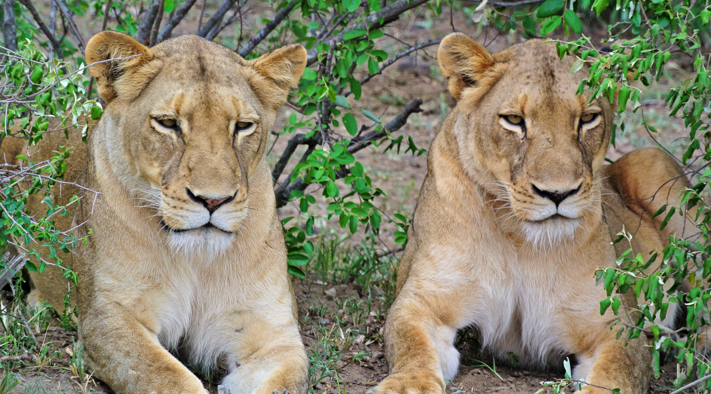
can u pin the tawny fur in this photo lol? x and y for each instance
(487, 250)
(153, 278)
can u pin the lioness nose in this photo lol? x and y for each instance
(210, 203)
(557, 196)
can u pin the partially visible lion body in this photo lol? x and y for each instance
(187, 252)
(509, 228)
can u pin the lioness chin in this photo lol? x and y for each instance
(187, 253)
(509, 227)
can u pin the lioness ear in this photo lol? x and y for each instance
(462, 60)
(131, 56)
(276, 72)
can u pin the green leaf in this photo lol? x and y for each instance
(604, 304)
(332, 190)
(370, 115)
(355, 88)
(309, 74)
(572, 20)
(168, 6)
(351, 125)
(600, 5)
(96, 112)
(351, 5)
(667, 218)
(549, 25)
(705, 14)
(353, 224)
(351, 34)
(660, 211)
(342, 102)
(622, 98)
(550, 8)
(529, 26)
(296, 271)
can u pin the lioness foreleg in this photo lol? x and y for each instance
(616, 364)
(269, 358)
(126, 355)
(420, 349)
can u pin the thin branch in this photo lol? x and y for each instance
(396, 58)
(156, 25)
(202, 13)
(216, 18)
(175, 20)
(284, 191)
(36, 16)
(374, 21)
(72, 25)
(24, 357)
(271, 25)
(211, 36)
(9, 25)
(13, 265)
(511, 4)
(294, 142)
(144, 30)
(692, 384)
(394, 125)
(107, 11)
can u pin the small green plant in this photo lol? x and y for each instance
(8, 382)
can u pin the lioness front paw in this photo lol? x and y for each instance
(410, 384)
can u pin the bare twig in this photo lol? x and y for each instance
(175, 20)
(284, 191)
(374, 21)
(36, 16)
(23, 357)
(144, 30)
(394, 125)
(72, 25)
(271, 25)
(107, 11)
(396, 58)
(692, 384)
(9, 25)
(156, 25)
(238, 11)
(202, 13)
(216, 18)
(294, 142)
(13, 265)
(511, 4)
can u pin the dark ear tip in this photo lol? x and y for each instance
(606, 49)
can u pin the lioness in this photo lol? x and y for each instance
(187, 252)
(509, 227)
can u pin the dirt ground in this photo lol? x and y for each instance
(343, 342)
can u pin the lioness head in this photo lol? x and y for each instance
(187, 123)
(526, 136)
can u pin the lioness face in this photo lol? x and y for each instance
(534, 141)
(200, 122)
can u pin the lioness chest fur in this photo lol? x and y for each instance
(187, 253)
(509, 227)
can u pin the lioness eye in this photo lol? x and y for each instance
(242, 126)
(168, 123)
(587, 118)
(514, 119)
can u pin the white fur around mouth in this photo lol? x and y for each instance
(550, 232)
(209, 242)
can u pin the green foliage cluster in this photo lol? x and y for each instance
(44, 97)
